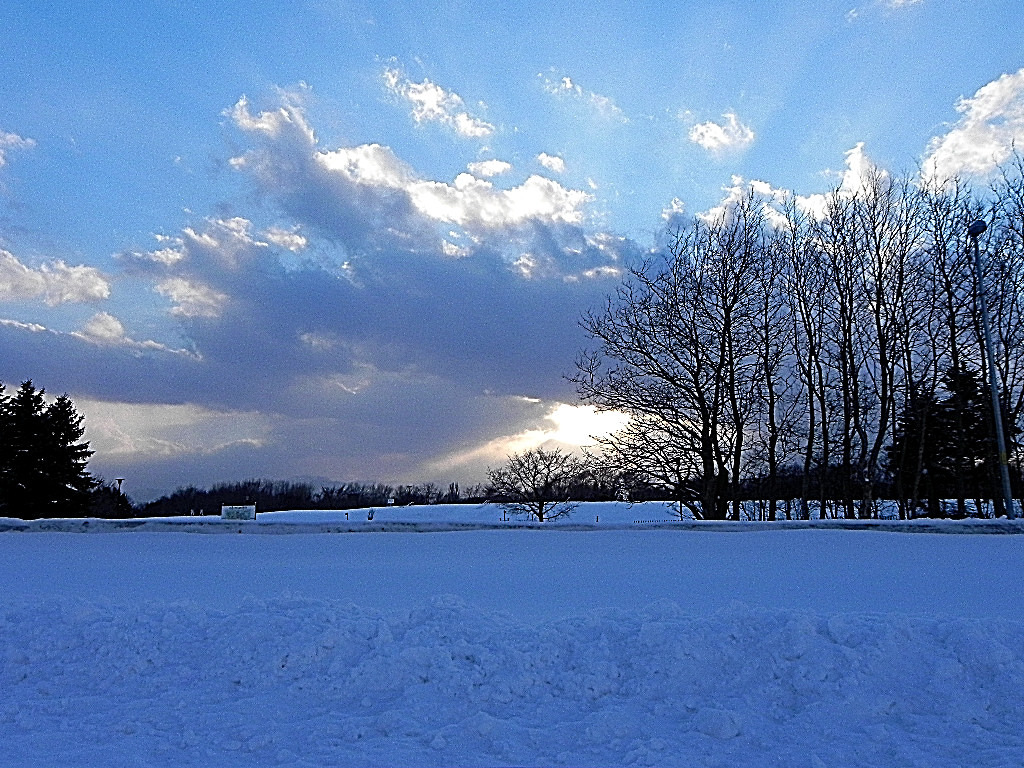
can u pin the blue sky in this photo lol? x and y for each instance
(349, 240)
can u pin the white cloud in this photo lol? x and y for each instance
(168, 256)
(854, 180)
(231, 242)
(384, 203)
(433, 104)
(476, 204)
(454, 251)
(368, 164)
(289, 239)
(553, 163)
(731, 135)
(603, 105)
(100, 330)
(56, 283)
(892, 5)
(812, 205)
(468, 201)
(73, 284)
(30, 327)
(485, 169)
(992, 121)
(287, 119)
(673, 210)
(18, 281)
(769, 198)
(859, 171)
(105, 330)
(192, 299)
(12, 141)
(472, 127)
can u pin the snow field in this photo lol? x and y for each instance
(795, 648)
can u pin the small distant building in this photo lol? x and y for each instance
(243, 512)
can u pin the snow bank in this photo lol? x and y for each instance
(609, 515)
(306, 682)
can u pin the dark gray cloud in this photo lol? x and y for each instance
(396, 321)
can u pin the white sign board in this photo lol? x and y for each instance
(247, 512)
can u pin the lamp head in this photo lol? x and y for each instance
(976, 228)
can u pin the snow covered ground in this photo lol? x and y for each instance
(628, 644)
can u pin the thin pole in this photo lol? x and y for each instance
(974, 231)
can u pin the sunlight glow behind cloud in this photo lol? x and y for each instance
(569, 426)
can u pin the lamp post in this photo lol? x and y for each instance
(975, 231)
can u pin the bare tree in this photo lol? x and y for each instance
(537, 482)
(675, 349)
(889, 233)
(806, 273)
(649, 451)
(775, 400)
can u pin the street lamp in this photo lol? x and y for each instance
(975, 231)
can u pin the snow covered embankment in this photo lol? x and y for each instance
(314, 682)
(468, 517)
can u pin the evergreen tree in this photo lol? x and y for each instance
(107, 501)
(24, 470)
(944, 448)
(69, 483)
(912, 460)
(42, 460)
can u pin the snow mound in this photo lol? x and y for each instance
(309, 682)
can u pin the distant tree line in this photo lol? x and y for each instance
(273, 495)
(818, 359)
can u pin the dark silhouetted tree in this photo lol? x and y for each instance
(538, 482)
(107, 501)
(943, 448)
(43, 460)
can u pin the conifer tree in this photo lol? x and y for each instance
(943, 448)
(70, 483)
(43, 459)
